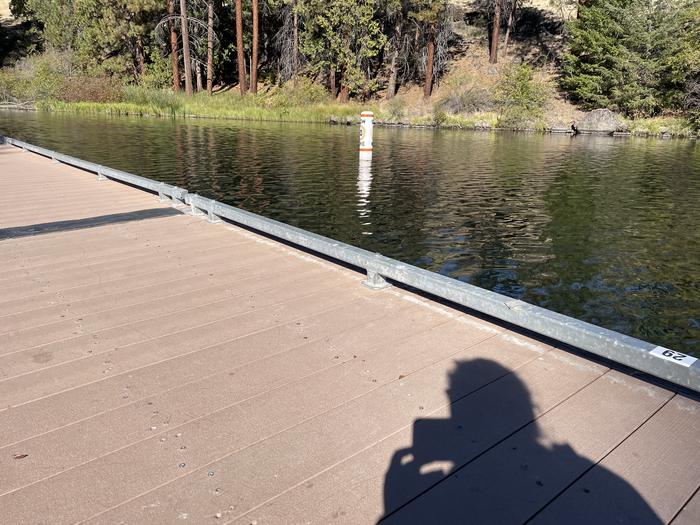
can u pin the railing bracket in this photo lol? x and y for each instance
(194, 210)
(375, 281)
(212, 217)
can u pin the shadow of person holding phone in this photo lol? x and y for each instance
(447, 476)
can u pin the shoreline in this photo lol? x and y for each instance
(546, 131)
(333, 120)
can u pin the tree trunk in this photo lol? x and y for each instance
(295, 43)
(393, 75)
(239, 47)
(344, 92)
(511, 17)
(254, 51)
(198, 69)
(331, 81)
(428, 88)
(140, 59)
(496, 33)
(186, 47)
(210, 47)
(393, 63)
(173, 47)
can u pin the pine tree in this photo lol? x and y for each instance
(239, 47)
(427, 14)
(255, 48)
(620, 54)
(172, 38)
(342, 36)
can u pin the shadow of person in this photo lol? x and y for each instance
(487, 463)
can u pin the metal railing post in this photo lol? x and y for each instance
(194, 209)
(211, 216)
(162, 197)
(178, 197)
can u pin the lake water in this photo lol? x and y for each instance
(603, 229)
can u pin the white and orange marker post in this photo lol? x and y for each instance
(366, 135)
(364, 176)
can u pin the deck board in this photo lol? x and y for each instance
(690, 513)
(660, 461)
(486, 386)
(538, 462)
(164, 370)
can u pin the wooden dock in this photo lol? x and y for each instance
(155, 368)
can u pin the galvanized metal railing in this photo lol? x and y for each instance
(658, 361)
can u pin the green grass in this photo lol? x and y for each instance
(478, 120)
(301, 106)
(472, 120)
(655, 125)
(228, 105)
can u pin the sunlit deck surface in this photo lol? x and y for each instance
(155, 368)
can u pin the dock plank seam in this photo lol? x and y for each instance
(168, 296)
(690, 498)
(148, 339)
(292, 426)
(190, 355)
(407, 427)
(602, 458)
(239, 402)
(137, 368)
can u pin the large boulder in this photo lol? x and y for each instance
(601, 121)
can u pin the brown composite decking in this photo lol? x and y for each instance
(155, 368)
